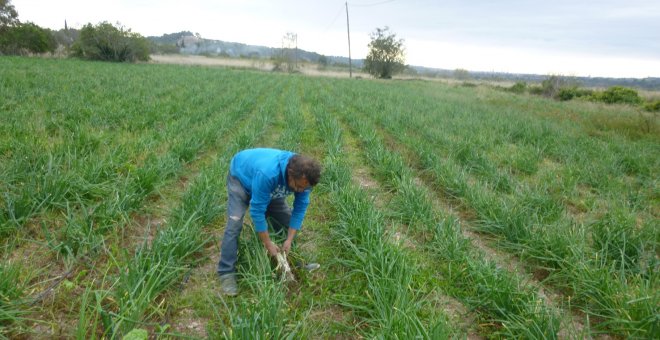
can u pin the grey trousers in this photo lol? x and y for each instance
(278, 215)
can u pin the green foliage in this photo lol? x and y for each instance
(109, 43)
(461, 74)
(90, 161)
(519, 87)
(621, 243)
(618, 95)
(553, 84)
(537, 90)
(11, 290)
(653, 106)
(26, 38)
(323, 62)
(65, 37)
(570, 92)
(386, 54)
(8, 14)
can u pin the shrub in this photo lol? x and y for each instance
(551, 85)
(537, 90)
(618, 94)
(26, 38)
(109, 43)
(518, 87)
(653, 106)
(568, 93)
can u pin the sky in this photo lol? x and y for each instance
(607, 38)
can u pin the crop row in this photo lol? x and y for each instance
(617, 283)
(157, 266)
(379, 268)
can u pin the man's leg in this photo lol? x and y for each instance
(278, 215)
(237, 204)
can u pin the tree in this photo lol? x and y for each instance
(18, 38)
(461, 74)
(386, 54)
(26, 38)
(323, 62)
(8, 14)
(109, 43)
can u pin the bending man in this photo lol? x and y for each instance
(262, 179)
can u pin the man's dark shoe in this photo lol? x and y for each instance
(228, 284)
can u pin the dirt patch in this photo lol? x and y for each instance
(256, 64)
(457, 312)
(143, 229)
(364, 180)
(188, 324)
(182, 59)
(332, 315)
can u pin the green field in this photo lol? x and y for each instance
(444, 211)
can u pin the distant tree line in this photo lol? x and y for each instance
(21, 38)
(568, 88)
(103, 41)
(109, 43)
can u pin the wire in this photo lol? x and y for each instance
(335, 19)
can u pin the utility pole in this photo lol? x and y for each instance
(348, 29)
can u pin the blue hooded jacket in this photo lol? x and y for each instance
(262, 172)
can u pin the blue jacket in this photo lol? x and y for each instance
(262, 172)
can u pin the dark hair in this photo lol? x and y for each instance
(302, 166)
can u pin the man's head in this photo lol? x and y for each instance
(303, 172)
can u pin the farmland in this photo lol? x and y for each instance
(444, 210)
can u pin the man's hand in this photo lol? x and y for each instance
(272, 248)
(286, 246)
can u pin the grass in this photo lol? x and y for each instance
(88, 148)
(532, 219)
(12, 290)
(380, 266)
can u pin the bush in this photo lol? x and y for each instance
(518, 87)
(551, 85)
(568, 93)
(618, 94)
(537, 90)
(26, 38)
(653, 106)
(109, 43)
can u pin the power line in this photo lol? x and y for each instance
(341, 9)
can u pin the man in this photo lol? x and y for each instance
(262, 179)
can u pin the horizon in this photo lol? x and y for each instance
(410, 65)
(584, 38)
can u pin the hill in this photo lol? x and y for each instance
(189, 43)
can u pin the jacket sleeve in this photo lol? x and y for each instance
(261, 189)
(300, 203)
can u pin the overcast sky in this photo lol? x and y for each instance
(614, 38)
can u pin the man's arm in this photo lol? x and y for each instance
(300, 203)
(289, 238)
(272, 248)
(261, 188)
